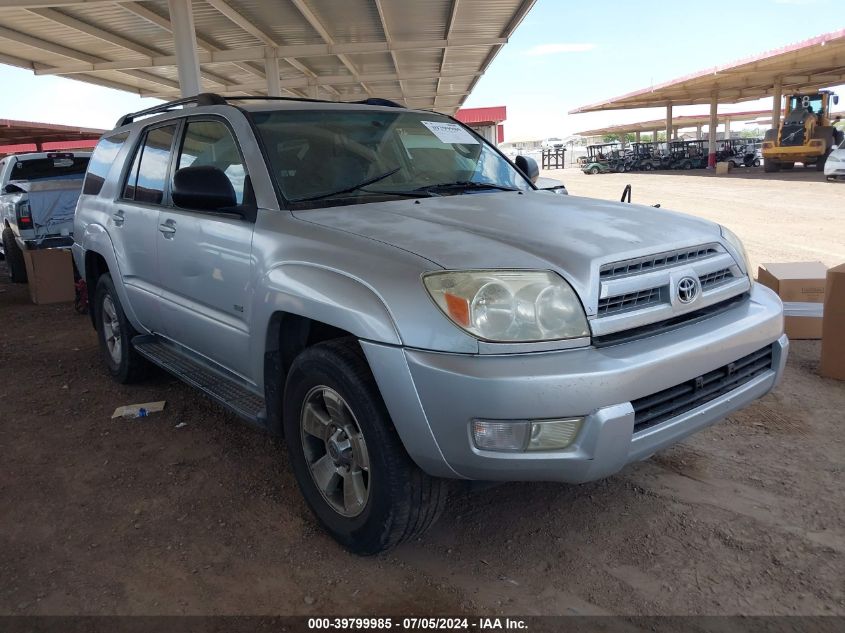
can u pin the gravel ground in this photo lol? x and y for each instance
(142, 517)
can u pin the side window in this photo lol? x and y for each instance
(210, 143)
(101, 161)
(145, 181)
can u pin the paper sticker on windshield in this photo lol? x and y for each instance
(450, 132)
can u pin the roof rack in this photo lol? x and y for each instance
(210, 98)
(374, 101)
(202, 99)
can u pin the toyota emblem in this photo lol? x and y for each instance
(687, 289)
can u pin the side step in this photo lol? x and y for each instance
(226, 390)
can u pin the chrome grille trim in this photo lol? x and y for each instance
(667, 259)
(629, 300)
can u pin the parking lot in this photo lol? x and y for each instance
(143, 516)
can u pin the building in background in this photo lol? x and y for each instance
(488, 122)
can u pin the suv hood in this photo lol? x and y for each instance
(569, 234)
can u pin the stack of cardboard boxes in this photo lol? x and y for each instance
(814, 307)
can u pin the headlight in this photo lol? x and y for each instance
(835, 159)
(732, 239)
(509, 305)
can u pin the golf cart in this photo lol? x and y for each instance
(603, 158)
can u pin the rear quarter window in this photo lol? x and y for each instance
(101, 161)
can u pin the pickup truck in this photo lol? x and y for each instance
(387, 291)
(38, 195)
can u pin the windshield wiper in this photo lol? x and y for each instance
(465, 185)
(360, 185)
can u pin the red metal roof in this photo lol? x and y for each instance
(30, 135)
(492, 115)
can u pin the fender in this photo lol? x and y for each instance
(96, 239)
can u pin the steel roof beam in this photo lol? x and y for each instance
(388, 40)
(110, 37)
(163, 23)
(318, 26)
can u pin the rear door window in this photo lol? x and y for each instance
(101, 161)
(145, 182)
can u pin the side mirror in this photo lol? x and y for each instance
(204, 188)
(835, 99)
(528, 166)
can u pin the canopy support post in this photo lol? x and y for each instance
(711, 132)
(668, 123)
(271, 69)
(185, 44)
(777, 99)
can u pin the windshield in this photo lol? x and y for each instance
(812, 103)
(53, 168)
(346, 157)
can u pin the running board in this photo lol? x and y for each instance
(227, 391)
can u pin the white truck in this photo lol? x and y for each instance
(38, 194)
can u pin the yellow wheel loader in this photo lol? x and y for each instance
(806, 134)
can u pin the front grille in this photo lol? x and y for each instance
(669, 403)
(713, 279)
(655, 262)
(630, 301)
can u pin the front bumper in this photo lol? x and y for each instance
(433, 397)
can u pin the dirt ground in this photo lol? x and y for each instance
(142, 517)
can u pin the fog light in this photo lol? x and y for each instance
(490, 435)
(550, 435)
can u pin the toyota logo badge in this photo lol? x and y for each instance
(687, 289)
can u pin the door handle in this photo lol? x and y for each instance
(118, 218)
(168, 229)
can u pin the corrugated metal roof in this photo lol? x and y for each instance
(493, 114)
(808, 65)
(429, 53)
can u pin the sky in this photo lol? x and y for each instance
(566, 53)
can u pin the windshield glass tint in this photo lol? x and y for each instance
(314, 153)
(62, 167)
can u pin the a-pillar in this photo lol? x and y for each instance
(185, 45)
(271, 69)
(711, 132)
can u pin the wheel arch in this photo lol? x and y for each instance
(304, 304)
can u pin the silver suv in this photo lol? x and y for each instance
(386, 290)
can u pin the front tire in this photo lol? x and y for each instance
(14, 257)
(115, 334)
(347, 458)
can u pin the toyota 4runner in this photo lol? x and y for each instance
(383, 288)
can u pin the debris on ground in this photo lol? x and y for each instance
(138, 410)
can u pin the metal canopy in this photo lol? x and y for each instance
(28, 132)
(679, 122)
(815, 63)
(425, 53)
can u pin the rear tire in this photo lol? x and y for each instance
(14, 257)
(115, 334)
(821, 161)
(342, 442)
(593, 170)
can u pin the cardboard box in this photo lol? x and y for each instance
(801, 287)
(833, 325)
(50, 275)
(723, 168)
